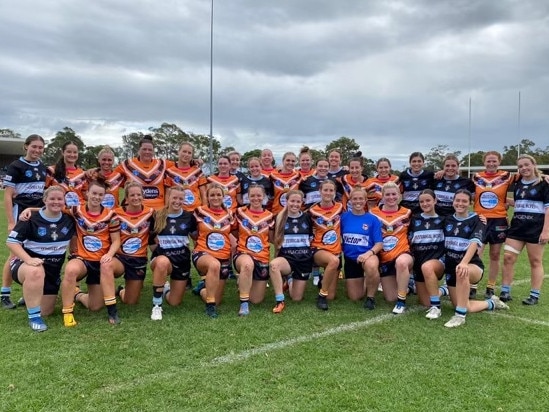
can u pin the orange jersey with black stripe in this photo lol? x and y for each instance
(327, 227)
(491, 193)
(93, 232)
(115, 182)
(374, 185)
(267, 172)
(394, 229)
(73, 184)
(253, 233)
(190, 179)
(283, 183)
(231, 187)
(134, 231)
(348, 184)
(214, 230)
(150, 176)
(305, 175)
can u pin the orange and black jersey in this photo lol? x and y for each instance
(115, 181)
(327, 227)
(347, 184)
(394, 229)
(283, 183)
(253, 232)
(150, 176)
(93, 232)
(491, 193)
(73, 183)
(231, 187)
(373, 187)
(214, 230)
(134, 231)
(190, 179)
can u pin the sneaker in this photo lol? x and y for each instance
(156, 313)
(530, 300)
(316, 279)
(68, 320)
(211, 311)
(489, 293)
(412, 286)
(321, 302)
(370, 304)
(472, 293)
(21, 302)
(433, 313)
(199, 286)
(498, 303)
(7, 303)
(505, 297)
(455, 321)
(279, 307)
(244, 309)
(399, 308)
(380, 287)
(166, 289)
(38, 325)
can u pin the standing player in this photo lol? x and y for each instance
(68, 175)
(229, 182)
(310, 186)
(352, 180)
(305, 163)
(374, 184)
(114, 180)
(255, 177)
(284, 180)
(413, 181)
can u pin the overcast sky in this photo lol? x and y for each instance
(396, 76)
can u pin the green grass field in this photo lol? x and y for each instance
(346, 359)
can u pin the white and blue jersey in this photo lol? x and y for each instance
(173, 241)
(28, 180)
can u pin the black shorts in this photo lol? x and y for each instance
(261, 270)
(418, 274)
(180, 270)
(301, 269)
(352, 269)
(224, 265)
(451, 273)
(52, 280)
(496, 230)
(389, 268)
(135, 268)
(93, 272)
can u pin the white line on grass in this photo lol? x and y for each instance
(527, 320)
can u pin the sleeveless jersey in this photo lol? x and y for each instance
(445, 190)
(93, 232)
(282, 183)
(214, 230)
(359, 233)
(45, 238)
(298, 232)
(394, 229)
(190, 179)
(459, 233)
(491, 193)
(327, 227)
(150, 176)
(412, 186)
(253, 233)
(426, 237)
(231, 187)
(73, 183)
(28, 180)
(173, 241)
(134, 231)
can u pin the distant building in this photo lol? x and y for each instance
(10, 150)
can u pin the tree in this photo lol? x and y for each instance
(346, 146)
(226, 150)
(510, 153)
(130, 144)
(252, 153)
(9, 133)
(476, 159)
(435, 158)
(54, 150)
(167, 139)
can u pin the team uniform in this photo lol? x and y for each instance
(346, 186)
(305, 175)
(426, 238)
(296, 246)
(231, 187)
(326, 228)
(282, 183)
(150, 176)
(359, 234)
(412, 185)
(214, 228)
(253, 239)
(531, 203)
(336, 176)
(394, 229)
(173, 242)
(491, 201)
(115, 181)
(445, 190)
(74, 184)
(458, 235)
(93, 238)
(134, 239)
(311, 189)
(44, 238)
(28, 180)
(374, 185)
(190, 179)
(265, 182)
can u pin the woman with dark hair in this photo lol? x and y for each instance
(255, 177)
(224, 178)
(352, 180)
(305, 163)
(450, 182)
(310, 186)
(374, 184)
(413, 181)
(39, 245)
(24, 186)
(68, 175)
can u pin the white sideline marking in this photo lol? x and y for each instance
(239, 356)
(527, 320)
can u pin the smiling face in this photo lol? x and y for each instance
(427, 203)
(305, 161)
(146, 152)
(254, 167)
(256, 195)
(266, 159)
(461, 204)
(334, 158)
(526, 168)
(383, 169)
(294, 202)
(235, 161)
(451, 168)
(491, 163)
(355, 169)
(358, 201)
(215, 197)
(223, 166)
(288, 163)
(96, 194)
(35, 150)
(175, 200)
(185, 154)
(134, 197)
(54, 202)
(327, 191)
(416, 164)
(70, 155)
(391, 197)
(322, 167)
(106, 161)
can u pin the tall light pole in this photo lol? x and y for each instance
(518, 127)
(211, 84)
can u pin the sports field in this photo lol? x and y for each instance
(345, 359)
